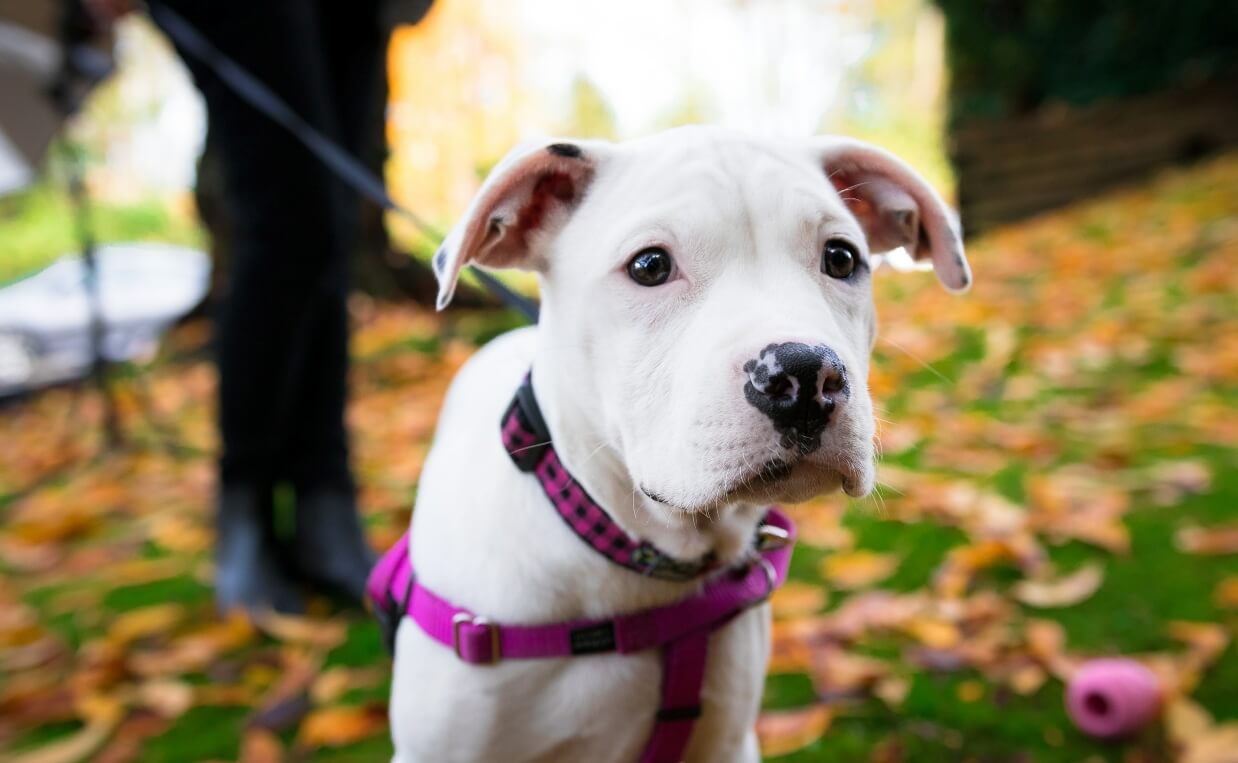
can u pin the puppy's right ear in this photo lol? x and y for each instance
(524, 202)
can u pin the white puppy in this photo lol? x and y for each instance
(702, 352)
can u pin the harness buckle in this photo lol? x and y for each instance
(464, 618)
(772, 537)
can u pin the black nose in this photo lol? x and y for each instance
(798, 386)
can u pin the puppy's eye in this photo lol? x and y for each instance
(839, 258)
(650, 267)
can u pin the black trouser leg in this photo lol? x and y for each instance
(282, 328)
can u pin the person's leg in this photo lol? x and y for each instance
(329, 544)
(288, 261)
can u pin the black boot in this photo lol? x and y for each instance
(249, 570)
(329, 549)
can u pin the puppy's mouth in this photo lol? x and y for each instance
(779, 480)
(762, 483)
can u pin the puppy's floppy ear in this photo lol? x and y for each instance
(895, 206)
(525, 200)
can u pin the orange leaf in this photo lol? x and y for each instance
(338, 726)
(258, 745)
(784, 732)
(1213, 540)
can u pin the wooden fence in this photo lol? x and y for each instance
(1012, 168)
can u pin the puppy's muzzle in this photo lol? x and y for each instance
(798, 386)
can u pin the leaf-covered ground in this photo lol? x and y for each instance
(1059, 478)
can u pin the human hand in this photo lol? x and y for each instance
(106, 12)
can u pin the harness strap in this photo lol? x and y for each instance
(683, 676)
(478, 641)
(681, 630)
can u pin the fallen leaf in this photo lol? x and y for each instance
(1065, 591)
(1185, 720)
(835, 670)
(1208, 541)
(334, 682)
(338, 726)
(1027, 680)
(1216, 745)
(159, 619)
(1046, 643)
(784, 732)
(1206, 640)
(933, 632)
(75, 747)
(796, 598)
(101, 713)
(127, 741)
(892, 690)
(320, 633)
(169, 699)
(1226, 593)
(970, 691)
(259, 745)
(850, 570)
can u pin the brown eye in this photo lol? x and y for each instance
(650, 267)
(839, 259)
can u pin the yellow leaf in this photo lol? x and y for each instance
(892, 690)
(796, 598)
(784, 732)
(147, 621)
(1027, 680)
(970, 691)
(857, 569)
(1216, 745)
(933, 632)
(1185, 720)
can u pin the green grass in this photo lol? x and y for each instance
(38, 225)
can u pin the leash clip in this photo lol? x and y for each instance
(464, 618)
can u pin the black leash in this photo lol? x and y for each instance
(256, 93)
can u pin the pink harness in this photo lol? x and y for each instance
(681, 630)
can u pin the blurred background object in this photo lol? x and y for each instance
(1056, 101)
(45, 319)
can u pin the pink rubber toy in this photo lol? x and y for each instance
(1113, 697)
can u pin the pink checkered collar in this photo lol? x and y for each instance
(527, 440)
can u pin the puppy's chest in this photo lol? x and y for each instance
(597, 707)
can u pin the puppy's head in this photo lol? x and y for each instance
(707, 302)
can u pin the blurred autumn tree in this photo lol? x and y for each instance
(591, 115)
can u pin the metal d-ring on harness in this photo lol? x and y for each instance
(680, 630)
